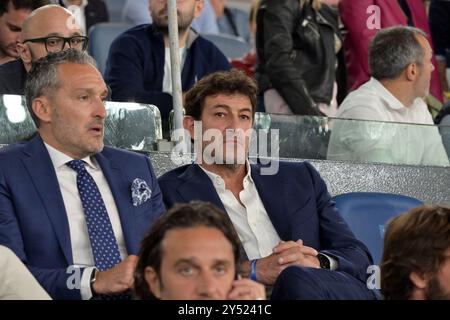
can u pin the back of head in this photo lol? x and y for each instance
(222, 82)
(21, 4)
(414, 242)
(393, 49)
(43, 77)
(181, 216)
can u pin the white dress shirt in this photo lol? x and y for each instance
(251, 221)
(386, 142)
(79, 237)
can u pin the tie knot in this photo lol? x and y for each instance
(77, 165)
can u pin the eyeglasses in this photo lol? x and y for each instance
(56, 44)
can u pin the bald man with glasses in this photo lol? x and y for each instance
(48, 29)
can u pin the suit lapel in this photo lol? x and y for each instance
(197, 185)
(273, 202)
(40, 167)
(122, 197)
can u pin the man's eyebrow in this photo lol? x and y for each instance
(57, 34)
(216, 106)
(190, 261)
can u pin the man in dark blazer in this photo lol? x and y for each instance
(292, 234)
(71, 209)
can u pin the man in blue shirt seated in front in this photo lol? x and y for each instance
(139, 69)
(292, 234)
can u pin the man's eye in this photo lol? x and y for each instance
(220, 114)
(75, 41)
(186, 271)
(83, 97)
(245, 117)
(15, 29)
(220, 270)
(53, 42)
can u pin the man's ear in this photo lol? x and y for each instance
(412, 71)
(199, 5)
(419, 280)
(152, 279)
(41, 108)
(188, 124)
(24, 53)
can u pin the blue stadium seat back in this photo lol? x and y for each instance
(444, 130)
(100, 38)
(232, 47)
(115, 8)
(367, 214)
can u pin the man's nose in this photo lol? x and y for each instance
(207, 286)
(100, 110)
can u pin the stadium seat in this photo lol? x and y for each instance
(232, 47)
(115, 8)
(100, 38)
(367, 213)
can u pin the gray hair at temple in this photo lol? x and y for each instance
(43, 77)
(393, 49)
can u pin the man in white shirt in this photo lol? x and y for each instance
(400, 63)
(292, 234)
(16, 282)
(71, 209)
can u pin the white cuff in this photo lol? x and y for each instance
(85, 290)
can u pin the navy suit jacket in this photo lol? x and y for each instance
(33, 219)
(297, 202)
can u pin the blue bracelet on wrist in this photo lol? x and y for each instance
(253, 269)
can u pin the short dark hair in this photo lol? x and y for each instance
(221, 82)
(181, 216)
(415, 241)
(43, 77)
(393, 49)
(21, 4)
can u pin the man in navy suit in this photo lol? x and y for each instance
(71, 209)
(290, 230)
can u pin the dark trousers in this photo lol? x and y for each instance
(301, 283)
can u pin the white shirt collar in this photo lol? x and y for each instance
(60, 159)
(392, 101)
(218, 181)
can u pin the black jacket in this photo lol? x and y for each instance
(12, 77)
(296, 53)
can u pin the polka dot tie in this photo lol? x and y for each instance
(101, 234)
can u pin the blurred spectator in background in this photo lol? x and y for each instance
(232, 21)
(45, 30)
(400, 64)
(416, 255)
(16, 281)
(362, 20)
(135, 13)
(12, 16)
(299, 57)
(440, 31)
(87, 12)
(143, 52)
(192, 253)
(248, 62)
